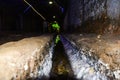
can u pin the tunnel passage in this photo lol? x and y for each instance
(61, 69)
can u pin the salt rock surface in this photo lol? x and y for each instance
(20, 60)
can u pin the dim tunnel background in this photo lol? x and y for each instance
(84, 16)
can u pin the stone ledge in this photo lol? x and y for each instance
(20, 60)
(106, 47)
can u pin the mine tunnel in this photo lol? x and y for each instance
(61, 69)
(59, 40)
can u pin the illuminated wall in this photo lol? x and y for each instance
(82, 11)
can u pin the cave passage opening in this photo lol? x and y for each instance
(61, 68)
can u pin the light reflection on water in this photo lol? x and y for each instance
(46, 66)
(84, 66)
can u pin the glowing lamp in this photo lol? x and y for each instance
(50, 2)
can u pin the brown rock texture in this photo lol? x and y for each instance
(19, 60)
(105, 47)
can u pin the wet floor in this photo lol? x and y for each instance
(61, 69)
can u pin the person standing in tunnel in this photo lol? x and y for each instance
(56, 27)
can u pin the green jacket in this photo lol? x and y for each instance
(57, 39)
(56, 26)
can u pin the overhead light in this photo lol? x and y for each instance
(54, 16)
(50, 2)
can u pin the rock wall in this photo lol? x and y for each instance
(98, 16)
(22, 60)
(105, 48)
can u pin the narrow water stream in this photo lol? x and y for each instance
(66, 62)
(61, 69)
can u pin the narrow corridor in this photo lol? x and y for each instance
(61, 69)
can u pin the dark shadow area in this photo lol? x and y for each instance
(61, 69)
(8, 36)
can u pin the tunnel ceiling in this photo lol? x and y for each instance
(43, 6)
